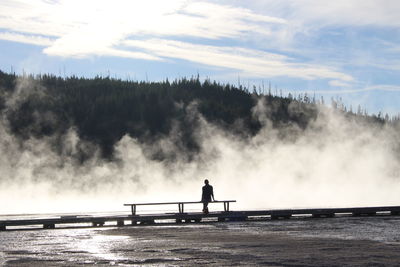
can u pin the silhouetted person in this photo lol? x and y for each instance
(207, 196)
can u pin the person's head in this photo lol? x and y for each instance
(206, 181)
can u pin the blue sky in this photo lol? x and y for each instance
(343, 48)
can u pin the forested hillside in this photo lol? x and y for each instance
(102, 109)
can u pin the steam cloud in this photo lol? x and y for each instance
(334, 162)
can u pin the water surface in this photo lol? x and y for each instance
(294, 242)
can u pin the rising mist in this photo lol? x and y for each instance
(334, 161)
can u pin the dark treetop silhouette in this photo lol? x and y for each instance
(102, 110)
(207, 196)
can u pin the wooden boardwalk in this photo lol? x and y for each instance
(182, 217)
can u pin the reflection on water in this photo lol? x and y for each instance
(72, 245)
(101, 246)
(170, 245)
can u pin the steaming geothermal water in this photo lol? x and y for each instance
(342, 241)
(335, 162)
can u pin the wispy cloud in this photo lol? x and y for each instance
(108, 22)
(368, 28)
(336, 83)
(265, 38)
(28, 39)
(97, 28)
(339, 12)
(383, 88)
(248, 62)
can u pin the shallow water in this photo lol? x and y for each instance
(216, 244)
(380, 228)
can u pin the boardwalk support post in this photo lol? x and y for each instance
(148, 221)
(133, 209)
(226, 206)
(49, 226)
(97, 223)
(282, 216)
(323, 215)
(180, 207)
(237, 219)
(359, 214)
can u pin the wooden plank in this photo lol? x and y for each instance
(50, 223)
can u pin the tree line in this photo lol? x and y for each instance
(103, 109)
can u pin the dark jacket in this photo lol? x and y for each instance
(207, 193)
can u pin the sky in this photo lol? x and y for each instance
(348, 49)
